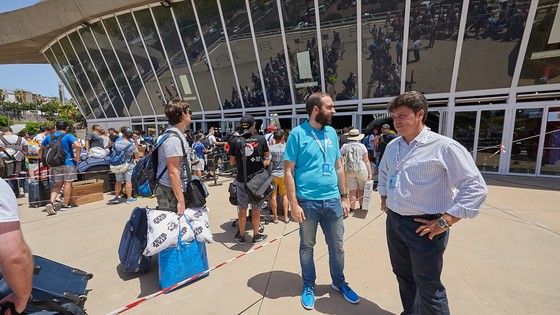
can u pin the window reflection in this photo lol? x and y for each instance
(489, 140)
(107, 79)
(214, 37)
(68, 79)
(525, 143)
(120, 90)
(195, 51)
(241, 43)
(172, 43)
(132, 76)
(81, 77)
(491, 45)
(338, 33)
(542, 59)
(303, 51)
(266, 24)
(154, 47)
(433, 40)
(464, 129)
(91, 72)
(382, 33)
(146, 64)
(551, 152)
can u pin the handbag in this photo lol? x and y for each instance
(182, 262)
(259, 187)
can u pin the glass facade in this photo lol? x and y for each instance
(230, 57)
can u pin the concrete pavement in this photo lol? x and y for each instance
(505, 261)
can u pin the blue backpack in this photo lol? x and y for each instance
(118, 157)
(144, 179)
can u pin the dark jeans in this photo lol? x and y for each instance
(417, 262)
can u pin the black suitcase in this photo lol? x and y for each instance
(40, 190)
(55, 287)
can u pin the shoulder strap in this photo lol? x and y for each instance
(185, 156)
(4, 140)
(19, 139)
(244, 159)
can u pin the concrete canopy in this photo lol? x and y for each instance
(25, 32)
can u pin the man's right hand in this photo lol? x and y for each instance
(297, 213)
(180, 208)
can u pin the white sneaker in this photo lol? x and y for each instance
(50, 209)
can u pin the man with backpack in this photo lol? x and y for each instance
(124, 156)
(14, 149)
(356, 167)
(254, 150)
(57, 151)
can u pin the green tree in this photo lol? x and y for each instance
(32, 127)
(5, 121)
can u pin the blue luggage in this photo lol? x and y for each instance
(133, 241)
(56, 287)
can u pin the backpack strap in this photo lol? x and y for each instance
(4, 140)
(18, 142)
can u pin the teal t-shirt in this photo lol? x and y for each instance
(305, 152)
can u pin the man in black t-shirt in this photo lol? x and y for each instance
(255, 151)
(385, 138)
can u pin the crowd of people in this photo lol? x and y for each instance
(319, 182)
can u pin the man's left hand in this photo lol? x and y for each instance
(429, 226)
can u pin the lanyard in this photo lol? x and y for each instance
(319, 143)
(407, 156)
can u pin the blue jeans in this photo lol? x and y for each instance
(417, 262)
(329, 214)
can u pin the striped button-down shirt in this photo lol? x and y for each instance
(438, 176)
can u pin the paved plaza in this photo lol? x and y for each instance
(505, 261)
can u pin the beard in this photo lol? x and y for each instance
(324, 119)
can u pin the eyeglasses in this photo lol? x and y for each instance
(188, 112)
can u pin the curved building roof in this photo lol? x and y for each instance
(24, 32)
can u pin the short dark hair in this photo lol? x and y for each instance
(6, 129)
(42, 128)
(411, 99)
(315, 99)
(174, 111)
(198, 136)
(94, 126)
(278, 135)
(113, 129)
(61, 125)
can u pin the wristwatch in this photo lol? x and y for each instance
(442, 223)
(343, 195)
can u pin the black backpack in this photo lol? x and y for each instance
(53, 153)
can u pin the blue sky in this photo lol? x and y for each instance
(36, 78)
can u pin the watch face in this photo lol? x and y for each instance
(441, 222)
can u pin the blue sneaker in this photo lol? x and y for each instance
(114, 201)
(131, 200)
(349, 294)
(308, 297)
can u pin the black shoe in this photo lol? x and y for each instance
(240, 239)
(259, 238)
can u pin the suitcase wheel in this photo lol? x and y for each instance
(88, 276)
(82, 273)
(83, 298)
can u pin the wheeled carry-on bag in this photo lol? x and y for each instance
(56, 287)
(40, 188)
(133, 241)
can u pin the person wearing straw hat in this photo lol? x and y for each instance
(356, 166)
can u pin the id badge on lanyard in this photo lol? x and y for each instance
(325, 168)
(393, 181)
(394, 178)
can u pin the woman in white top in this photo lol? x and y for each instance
(356, 166)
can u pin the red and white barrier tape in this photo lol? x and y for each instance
(151, 296)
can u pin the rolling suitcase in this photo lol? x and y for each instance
(133, 241)
(40, 188)
(56, 287)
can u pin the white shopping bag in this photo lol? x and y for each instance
(368, 189)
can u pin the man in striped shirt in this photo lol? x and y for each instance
(418, 177)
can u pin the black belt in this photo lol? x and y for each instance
(422, 216)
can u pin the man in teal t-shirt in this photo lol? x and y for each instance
(316, 187)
